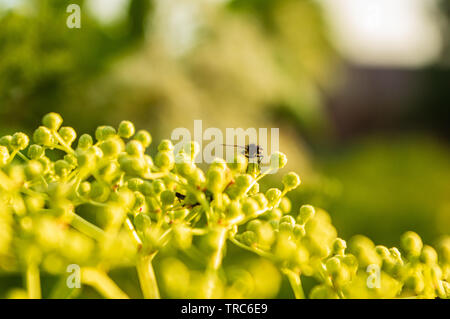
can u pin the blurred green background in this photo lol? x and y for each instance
(360, 91)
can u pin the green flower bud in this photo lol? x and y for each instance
(285, 227)
(291, 181)
(242, 182)
(158, 186)
(249, 206)
(144, 137)
(219, 164)
(167, 197)
(444, 249)
(146, 188)
(165, 146)
(299, 231)
(99, 192)
(165, 160)
(68, 134)
(134, 148)
(104, 132)
(233, 209)
(351, 262)
(126, 129)
(19, 141)
(192, 149)
(239, 164)
(333, 265)
(4, 155)
(429, 255)
(133, 165)
(45, 162)
(261, 200)
(412, 243)
(415, 282)
(274, 213)
(197, 178)
(6, 141)
(288, 219)
(285, 205)
(323, 292)
(383, 251)
(85, 141)
(339, 246)
(135, 184)
(84, 189)
(33, 169)
(35, 151)
(111, 148)
(306, 213)
(273, 196)
(52, 121)
(278, 160)
(248, 238)
(180, 214)
(214, 180)
(142, 221)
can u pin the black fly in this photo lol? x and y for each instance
(251, 151)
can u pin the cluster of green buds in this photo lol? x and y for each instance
(105, 204)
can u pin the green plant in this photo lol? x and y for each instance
(106, 205)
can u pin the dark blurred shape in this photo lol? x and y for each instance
(391, 100)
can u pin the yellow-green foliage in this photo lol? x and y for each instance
(106, 205)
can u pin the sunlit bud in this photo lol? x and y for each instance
(261, 199)
(233, 209)
(429, 255)
(134, 184)
(285, 227)
(85, 188)
(291, 181)
(142, 221)
(412, 243)
(285, 205)
(288, 219)
(126, 129)
(144, 137)
(273, 195)
(165, 146)
(6, 141)
(278, 160)
(415, 282)
(444, 249)
(4, 155)
(323, 292)
(132, 165)
(99, 192)
(299, 231)
(333, 264)
(165, 160)
(158, 186)
(192, 149)
(167, 197)
(197, 177)
(68, 134)
(33, 169)
(52, 120)
(35, 151)
(104, 132)
(248, 238)
(249, 206)
(19, 141)
(85, 141)
(34, 203)
(339, 246)
(215, 180)
(62, 168)
(351, 262)
(274, 213)
(134, 148)
(242, 182)
(383, 251)
(111, 148)
(306, 213)
(218, 164)
(239, 163)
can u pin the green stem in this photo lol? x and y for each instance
(33, 281)
(295, 282)
(86, 227)
(147, 278)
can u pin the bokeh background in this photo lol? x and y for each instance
(360, 89)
